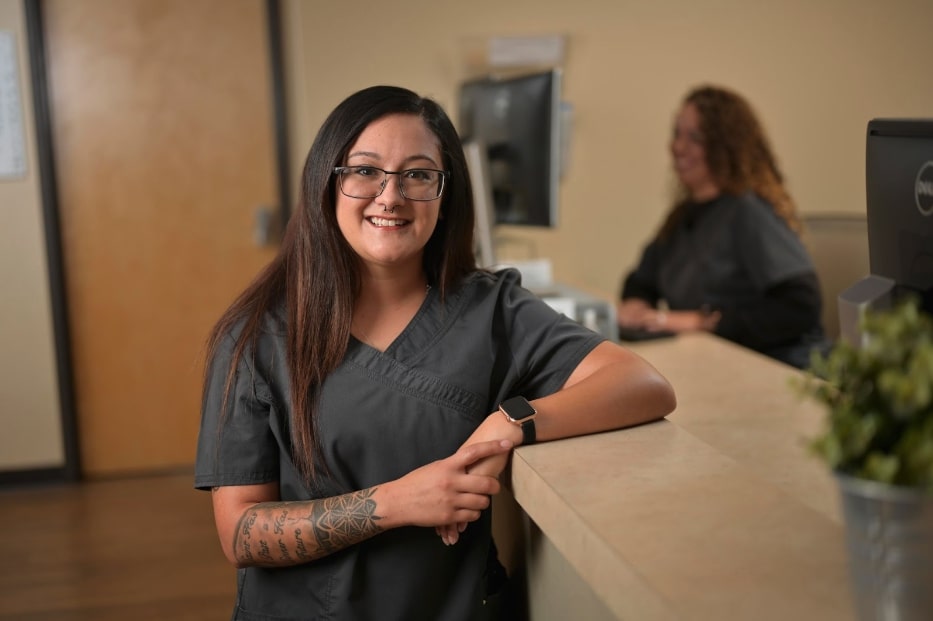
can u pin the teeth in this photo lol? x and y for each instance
(386, 222)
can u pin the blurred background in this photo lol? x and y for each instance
(164, 165)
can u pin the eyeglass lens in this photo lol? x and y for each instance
(420, 184)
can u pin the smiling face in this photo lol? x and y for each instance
(391, 230)
(689, 154)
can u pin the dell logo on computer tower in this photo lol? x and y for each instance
(923, 189)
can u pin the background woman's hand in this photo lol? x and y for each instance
(633, 313)
(683, 321)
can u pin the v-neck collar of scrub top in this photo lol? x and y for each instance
(424, 328)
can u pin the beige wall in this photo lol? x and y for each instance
(31, 434)
(816, 71)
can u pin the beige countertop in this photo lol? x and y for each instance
(717, 512)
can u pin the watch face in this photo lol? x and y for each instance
(517, 408)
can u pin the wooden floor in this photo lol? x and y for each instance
(135, 549)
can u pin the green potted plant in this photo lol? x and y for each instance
(878, 441)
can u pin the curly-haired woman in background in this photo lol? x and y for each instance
(728, 257)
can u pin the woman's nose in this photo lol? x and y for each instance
(392, 190)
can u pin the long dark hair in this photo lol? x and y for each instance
(316, 277)
(738, 154)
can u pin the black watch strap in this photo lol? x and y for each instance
(528, 432)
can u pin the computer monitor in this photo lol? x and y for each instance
(518, 120)
(899, 185)
(483, 234)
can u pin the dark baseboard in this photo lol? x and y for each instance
(35, 476)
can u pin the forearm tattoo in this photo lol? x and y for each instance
(285, 533)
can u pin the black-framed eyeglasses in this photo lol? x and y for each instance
(417, 184)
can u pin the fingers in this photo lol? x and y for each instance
(659, 323)
(446, 495)
(449, 534)
(472, 453)
(633, 313)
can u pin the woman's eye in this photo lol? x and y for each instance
(365, 171)
(416, 174)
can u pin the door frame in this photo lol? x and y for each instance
(71, 470)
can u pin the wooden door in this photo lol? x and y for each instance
(163, 136)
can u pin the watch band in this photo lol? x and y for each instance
(528, 432)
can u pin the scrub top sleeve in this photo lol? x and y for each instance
(769, 249)
(237, 448)
(642, 282)
(546, 346)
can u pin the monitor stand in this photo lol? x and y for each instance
(869, 293)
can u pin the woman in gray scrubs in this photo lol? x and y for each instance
(728, 258)
(363, 394)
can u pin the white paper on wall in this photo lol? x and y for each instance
(12, 146)
(526, 51)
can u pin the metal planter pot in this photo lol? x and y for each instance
(889, 534)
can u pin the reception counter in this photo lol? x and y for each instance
(717, 512)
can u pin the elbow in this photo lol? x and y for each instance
(231, 557)
(657, 395)
(230, 546)
(647, 397)
(666, 399)
(237, 563)
(244, 559)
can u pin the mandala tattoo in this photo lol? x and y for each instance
(343, 520)
(335, 523)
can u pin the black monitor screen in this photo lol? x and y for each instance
(899, 183)
(518, 121)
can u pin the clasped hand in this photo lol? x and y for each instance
(450, 493)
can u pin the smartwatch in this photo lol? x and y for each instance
(519, 412)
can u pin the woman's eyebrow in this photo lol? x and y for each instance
(374, 156)
(409, 159)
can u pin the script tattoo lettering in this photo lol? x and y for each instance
(242, 538)
(279, 527)
(284, 550)
(264, 553)
(300, 546)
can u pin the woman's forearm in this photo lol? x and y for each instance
(276, 534)
(620, 389)
(610, 389)
(258, 530)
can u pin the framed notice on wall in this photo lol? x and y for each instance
(12, 145)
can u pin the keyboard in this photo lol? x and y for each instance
(643, 334)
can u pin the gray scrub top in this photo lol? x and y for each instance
(383, 414)
(725, 252)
